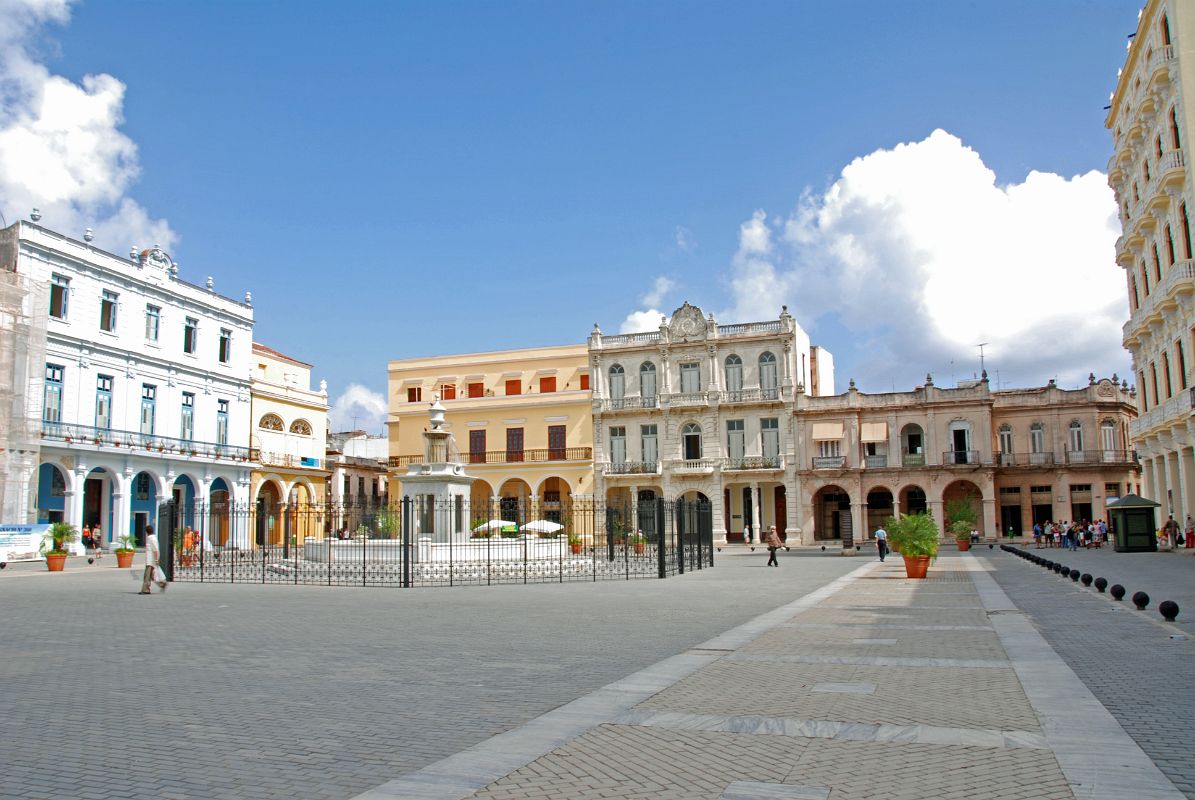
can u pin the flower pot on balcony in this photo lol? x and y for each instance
(97, 441)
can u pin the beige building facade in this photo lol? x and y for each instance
(1022, 456)
(520, 419)
(1150, 117)
(289, 442)
(704, 412)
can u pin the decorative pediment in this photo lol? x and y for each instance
(687, 324)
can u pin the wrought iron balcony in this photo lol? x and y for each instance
(88, 435)
(829, 462)
(1101, 456)
(696, 464)
(912, 459)
(1025, 459)
(535, 455)
(877, 461)
(631, 468)
(754, 462)
(960, 458)
(270, 459)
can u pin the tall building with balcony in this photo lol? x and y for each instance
(289, 443)
(143, 391)
(1151, 116)
(704, 412)
(521, 419)
(1019, 456)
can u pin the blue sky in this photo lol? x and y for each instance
(403, 179)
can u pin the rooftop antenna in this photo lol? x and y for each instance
(981, 346)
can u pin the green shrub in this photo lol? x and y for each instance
(914, 535)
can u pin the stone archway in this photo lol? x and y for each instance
(879, 508)
(514, 504)
(913, 500)
(268, 522)
(53, 483)
(829, 503)
(963, 492)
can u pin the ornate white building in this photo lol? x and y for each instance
(1150, 116)
(702, 411)
(145, 392)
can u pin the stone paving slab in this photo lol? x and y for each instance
(738, 723)
(849, 641)
(897, 615)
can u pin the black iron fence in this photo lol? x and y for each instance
(421, 541)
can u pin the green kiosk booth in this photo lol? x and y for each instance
(1134, 525)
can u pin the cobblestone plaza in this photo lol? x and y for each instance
(830, 677)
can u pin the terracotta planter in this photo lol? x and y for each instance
(124, 559)
(55, 561)
(963, 545)
(639, 548)
(575, 549)
(916, 566)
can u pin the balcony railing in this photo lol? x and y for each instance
(631, 338)
(631, 468)
(912, 459)
(1101, 456)
(748, 328)
(751, 395)
(754, 462)
(960, 458)
(1175, 411)
(689, 399)
(133, 440)
(876, 461)
(829, 462)
(624, 403)
(536, 455)
(1179, 279)
(269, 459)
(696, 464)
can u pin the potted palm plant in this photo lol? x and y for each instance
(962, 516)
(639, 543)
(915, 537)
(53, 545)
(574, 544)
(124, 553)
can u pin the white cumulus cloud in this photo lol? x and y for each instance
(648, 319)
(61, 148)
(358, 408)
(922, 255)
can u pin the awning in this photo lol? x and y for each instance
(823, 431)
(874, 432)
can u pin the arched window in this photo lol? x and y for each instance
(1037, 443)
(691, 438)
(734, 376)
(618, 386)
(647, 381)
(1005, 434)
(301, 427)
(270, 422)
(1108, 440)
(1075, 435)
(767, 376)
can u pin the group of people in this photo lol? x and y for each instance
(93, 540)
(1070, 535)
(1170, 535)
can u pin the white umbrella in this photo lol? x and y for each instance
(494, 524)
(542, 526)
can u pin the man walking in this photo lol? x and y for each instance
(152, 556)
(773, 542)
(882, 542)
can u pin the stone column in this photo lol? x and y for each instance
(120, 518)
(757, 525)
(990, 521)
(1186, 460)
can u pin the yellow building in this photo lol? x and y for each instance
(521, 420)
(288, 440)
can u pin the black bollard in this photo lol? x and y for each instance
(1168, 609)
(1101, 584)
(1086, 578)
(1117, 591)
(1141, 600)
(1075, 575)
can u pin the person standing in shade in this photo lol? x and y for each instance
(882, 542)
(152, 556)
(774, 544)
(747, 534)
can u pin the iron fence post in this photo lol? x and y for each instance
(406, 541)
